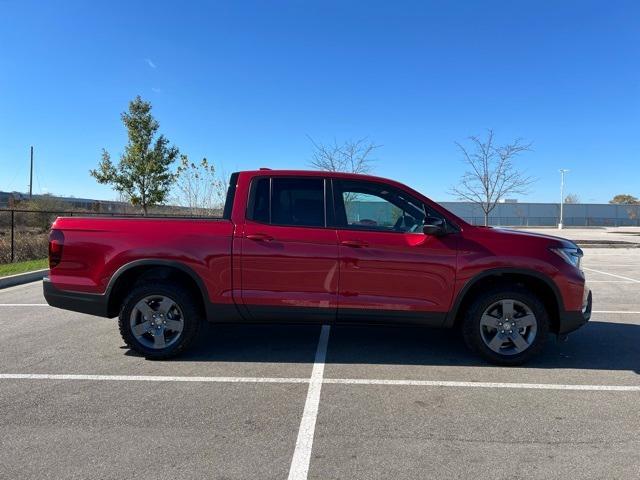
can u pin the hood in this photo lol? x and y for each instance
(518, 234)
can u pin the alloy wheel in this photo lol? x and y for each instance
(508, 327)
(156, 321)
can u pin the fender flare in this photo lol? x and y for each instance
(453, 311)
(156, 262)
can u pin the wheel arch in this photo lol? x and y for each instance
(152, 269)
(539, 284)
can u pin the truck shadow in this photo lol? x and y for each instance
(597, 346)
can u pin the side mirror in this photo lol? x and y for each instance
(434, 226)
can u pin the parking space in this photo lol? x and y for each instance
(372, 431)
(270, 402)
(47, 340)
(160, 430)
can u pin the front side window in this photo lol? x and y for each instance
(288, 201)
(375, 206)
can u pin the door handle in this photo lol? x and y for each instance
(354, 243)
(259, 237)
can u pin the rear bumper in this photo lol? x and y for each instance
(93, 304)
(570, 321)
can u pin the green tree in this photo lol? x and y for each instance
(625, 199)
(143, 173)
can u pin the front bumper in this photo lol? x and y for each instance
(91, 303)
(571, 321)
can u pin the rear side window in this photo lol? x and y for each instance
(260, 201)
(288, 201)
(231, 193)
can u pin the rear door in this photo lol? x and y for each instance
(289, 259)
(389, 269)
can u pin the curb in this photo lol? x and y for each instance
(21, 278)
(605, 244)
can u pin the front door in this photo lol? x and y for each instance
(289, 258)
(389, 269)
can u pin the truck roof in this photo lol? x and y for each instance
(315, 173)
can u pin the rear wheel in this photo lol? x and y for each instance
(159, 320)
(506, 326)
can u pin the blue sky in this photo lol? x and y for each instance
(245, 83)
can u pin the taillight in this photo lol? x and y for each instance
(56, 243)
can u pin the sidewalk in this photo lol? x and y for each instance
(602, 236)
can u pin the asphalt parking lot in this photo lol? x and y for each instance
(317, 402)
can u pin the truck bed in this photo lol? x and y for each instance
(95, 247)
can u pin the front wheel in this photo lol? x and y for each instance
(506, 326)
(159, 320)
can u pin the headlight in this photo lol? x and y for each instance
(571, 255)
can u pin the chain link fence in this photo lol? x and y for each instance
(548, 214)
(553, 221)
(24, 234)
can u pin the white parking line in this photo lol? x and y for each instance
(612, 275)
(24, 304)
(617, 265)
(437, 383)
(614, 311)
(311, 406)
(620, 252)
(609, 281)
(302, 454)
(149, 378)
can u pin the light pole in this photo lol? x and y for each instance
(562, 172)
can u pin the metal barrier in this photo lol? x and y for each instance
(24, 233)
(548, 214)
(553, 222)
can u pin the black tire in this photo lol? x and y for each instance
(474, 333)
(190, 315)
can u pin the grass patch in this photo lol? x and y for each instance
(7, 269)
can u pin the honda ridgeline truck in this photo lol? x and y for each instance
(323, 247)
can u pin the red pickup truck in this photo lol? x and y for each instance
(299, 247)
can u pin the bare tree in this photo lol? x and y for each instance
(125, 206)
(350, 156)
(492, 174)
(222, 185)
(572, 198)
(198, 187)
